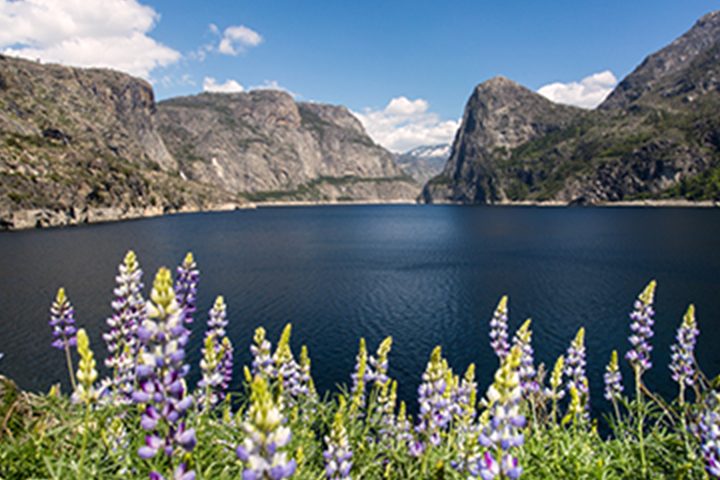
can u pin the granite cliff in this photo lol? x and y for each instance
(654, 137)
(267, 147)
(80, 145)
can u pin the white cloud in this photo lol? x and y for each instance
(230, 86)
(588, 93)
(110, 33)
(405, 124)
(237, 39)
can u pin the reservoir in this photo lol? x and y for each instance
(424, 274)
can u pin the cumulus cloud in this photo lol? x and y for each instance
(405, 124)
(236, 39)
(230, 86)
(111, 33)
(588, 93)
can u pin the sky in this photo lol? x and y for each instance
(404, 68)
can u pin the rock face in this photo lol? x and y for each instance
(656, 136)
(662, 65)
(80, 145)
(264, 145)
(500, 116)
(424, 162)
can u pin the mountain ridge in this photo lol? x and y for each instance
(654, 137)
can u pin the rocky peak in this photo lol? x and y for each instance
(666, 62)
(334, 114)
(503, 113)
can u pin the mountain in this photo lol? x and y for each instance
(655, 136)
(500, 116)
(424, 162)
(80, 145)
(266, 146)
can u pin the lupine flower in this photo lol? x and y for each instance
(433, 396)
(377, 369)
(385, 410)
(305, 372)
(121, 340)
(288, 372)
(556, 393)
(338, 454)
(575, 368)
(709, 426)
(86, 374)
(613, 379)
(210, 368)
(682, 359)
(186, 287)
(262, 363)
(62, 319)
(501, 432)
(161, 373)
(463, 397)
(180, 473)
(499, 328)
(357, 392)
(639, 355)
(527, 372)
(265, 437)
(464, 400)
(403, 427)
(217, 361)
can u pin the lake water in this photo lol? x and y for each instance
(426, 275)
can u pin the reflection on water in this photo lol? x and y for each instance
(427, 275)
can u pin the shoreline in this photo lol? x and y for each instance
(49, 218)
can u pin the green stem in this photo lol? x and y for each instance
(641, 417)
(69, 364)
(84, 440)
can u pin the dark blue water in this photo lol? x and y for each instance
(426, 275)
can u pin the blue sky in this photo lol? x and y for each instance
(406, 68)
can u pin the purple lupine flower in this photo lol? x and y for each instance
(338, 454)
(357, 391)
(62, 319)
(161, 371)
(266, 436)
(262, 363)
(433, 396)
(488, 467)
(575, 368)
(385, 411)
(709, 426)
(682, 359)
(294, 379)
(121, 340)
(499, 330)
(613, 379)
(502, 432)
(180, 473)
(642, 323)
(376, 370)
(217, 361)
(403, 427)
(527, 372)
(463, 401)
(186, 287)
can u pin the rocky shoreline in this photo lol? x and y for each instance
(48, 218)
